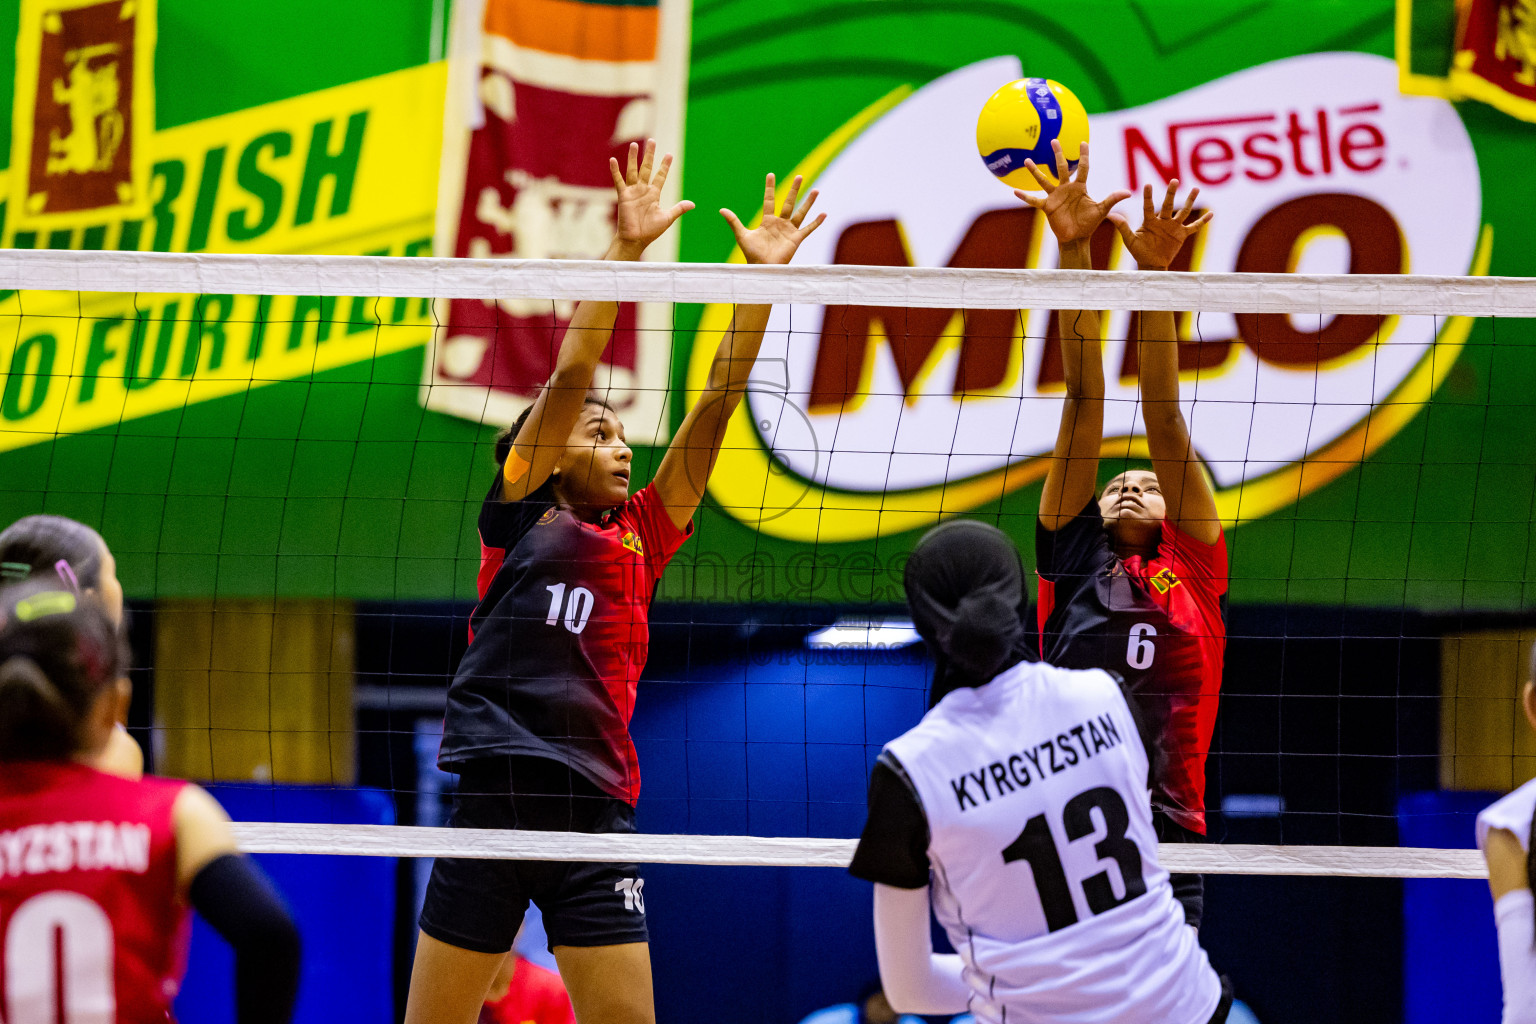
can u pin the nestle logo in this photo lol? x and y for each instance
(1003, 161)
(1262, 147)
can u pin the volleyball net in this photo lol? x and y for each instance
(262, 441)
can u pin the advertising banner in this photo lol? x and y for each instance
(339, 448)
(551, 91)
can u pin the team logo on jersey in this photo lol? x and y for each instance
(548, 516)
(875, 420)
(1164, 581)
(632, 542)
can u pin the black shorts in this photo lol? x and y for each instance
(479, 904)
(1189, 890)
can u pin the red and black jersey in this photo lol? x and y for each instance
(91, 923)
(1161, 623)
(560, 635)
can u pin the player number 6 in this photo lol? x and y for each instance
(1139, 651)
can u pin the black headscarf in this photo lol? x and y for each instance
(968, 597)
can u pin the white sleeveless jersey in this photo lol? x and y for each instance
(1512, 812)
(1044, 859)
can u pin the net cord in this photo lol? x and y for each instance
(933, 287)
(755, 851)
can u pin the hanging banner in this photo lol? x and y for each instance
(84, 111)
(542, 93)
(1496, 56)
(890, 417)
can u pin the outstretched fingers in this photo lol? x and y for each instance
(647, 161)
(1029, 198)
(661, 172)
(632, 169)
(1198, 222)
(805, 231)
(1113, 199)
(1123, 226)
(1189, 203)
(768, 194)
(618, 175)
(798, 216)
(1170, 197)
(1041, 177)
(1061, 163)
(791, 196)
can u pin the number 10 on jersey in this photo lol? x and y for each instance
(569, 610)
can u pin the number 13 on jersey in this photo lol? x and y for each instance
(1037, 846)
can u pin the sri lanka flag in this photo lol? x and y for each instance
(540, 94)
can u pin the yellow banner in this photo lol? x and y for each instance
(349, 170)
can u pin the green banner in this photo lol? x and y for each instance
(1393, 469)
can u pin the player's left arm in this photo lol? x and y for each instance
(1191, 505)
(915, 978)
(685, 469)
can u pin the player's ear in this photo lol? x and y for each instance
(1529, 701)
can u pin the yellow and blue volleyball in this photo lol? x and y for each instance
(1020, 122)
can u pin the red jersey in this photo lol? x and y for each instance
(536, 996)
(1161, 623)
(92, 923)
(560, 635)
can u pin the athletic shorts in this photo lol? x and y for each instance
(1189, 890)
(479, 904)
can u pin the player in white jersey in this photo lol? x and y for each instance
(1020, 807)
(1506, 833)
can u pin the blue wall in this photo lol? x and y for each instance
(344, 908)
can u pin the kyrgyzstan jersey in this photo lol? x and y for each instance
(1512, 813)
(91, 924)
(1161, 623)
(560, 635)
(1042, 856)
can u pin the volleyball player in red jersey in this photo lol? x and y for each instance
(1133, 577)
(537, 724)
(97, 872)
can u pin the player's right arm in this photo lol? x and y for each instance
(641, 220)
(1074, 216)
(1515, 917)
(234, 896)
(1190, 502)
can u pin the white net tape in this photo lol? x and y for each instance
(753, 851)
(952, 288)
(944, 288)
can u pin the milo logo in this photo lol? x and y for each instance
(881, 416)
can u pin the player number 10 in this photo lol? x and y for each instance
(577, 607)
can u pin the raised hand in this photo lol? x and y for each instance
(641, 217)
(1163, 232)
(780, 234)
(1071, 212)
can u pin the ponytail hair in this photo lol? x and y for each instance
(54, 545)
(58, 652)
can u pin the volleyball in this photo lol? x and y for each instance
(1020, 121)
